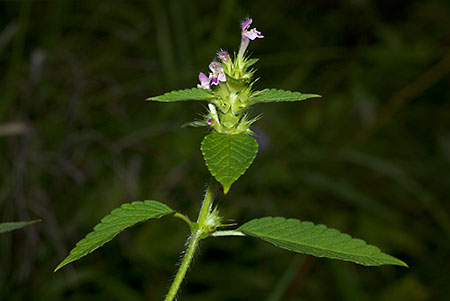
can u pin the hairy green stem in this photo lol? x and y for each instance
(187, 259)
(193, 241)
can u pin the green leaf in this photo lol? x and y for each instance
(184, 95)
(195, 124)
(118, 220)
(316, 240)
(6, 227)
(274, 95)
(228, 156)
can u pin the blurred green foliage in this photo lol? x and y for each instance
(371, 158)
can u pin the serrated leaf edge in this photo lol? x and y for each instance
(103, 221)
(154, 98)
(400, 262)
(227, 188)
(274, 90)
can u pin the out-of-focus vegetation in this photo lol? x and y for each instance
(371, 158)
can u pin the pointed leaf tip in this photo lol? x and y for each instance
(317, 240)
(226, 188)
(118, 220)
(184, 95)
(277, 95)
(228, 156)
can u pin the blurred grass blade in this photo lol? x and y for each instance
(286, 278)
(6, 227)
(397, 174)
(7, 34)
(348, 193)
(316, 240)
(118, 220)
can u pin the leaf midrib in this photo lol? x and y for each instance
(272, 238)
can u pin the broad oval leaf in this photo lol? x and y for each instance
(184, 95)
(316, 240)
(118, 220)
(6, 227)
(228, 156)
(275, 95)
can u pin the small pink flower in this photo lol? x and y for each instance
(217, 74)
(246, 36)
(204, 81)
(250, 34)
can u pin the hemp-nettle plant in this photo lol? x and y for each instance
(228, 150)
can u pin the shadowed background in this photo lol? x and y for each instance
(371, 158)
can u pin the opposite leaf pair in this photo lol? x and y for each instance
(230, 151)
(290, 234)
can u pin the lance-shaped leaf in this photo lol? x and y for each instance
(6, 227)
(316, 240)
(118, 220)
(195, 124)
(274, 95)
(228, 156)
(184, 95)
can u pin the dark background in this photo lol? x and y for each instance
(77, 139)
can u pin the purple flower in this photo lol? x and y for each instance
(250, 34)
(217, 73)
(247, 35)
(204, 81)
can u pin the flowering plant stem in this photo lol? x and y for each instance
(229, 150)
(193, 240)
